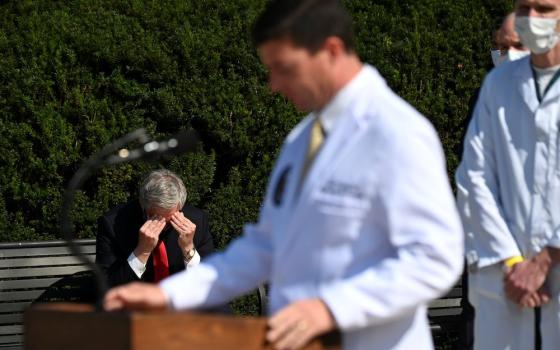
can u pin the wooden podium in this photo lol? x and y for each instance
(56, 326)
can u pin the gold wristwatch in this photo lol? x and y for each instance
(190, 255)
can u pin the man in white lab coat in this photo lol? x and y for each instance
(509, 192)
(358, 230)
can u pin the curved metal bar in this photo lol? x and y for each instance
(75, 183)
(261, 292)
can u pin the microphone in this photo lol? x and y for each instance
(180, 143)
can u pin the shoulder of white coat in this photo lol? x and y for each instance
(388, 115)
(505, 75)
(398, 138)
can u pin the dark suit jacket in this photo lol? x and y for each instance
(118, 236)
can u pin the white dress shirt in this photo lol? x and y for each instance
(372, 231)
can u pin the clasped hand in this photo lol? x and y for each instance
(524, 284)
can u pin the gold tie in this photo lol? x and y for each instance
(316, 139)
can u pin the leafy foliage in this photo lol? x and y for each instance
(79, 74)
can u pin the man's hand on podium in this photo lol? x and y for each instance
(295, 325)
(290, 328)
(136, 296)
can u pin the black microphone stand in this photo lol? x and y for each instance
(85, 171)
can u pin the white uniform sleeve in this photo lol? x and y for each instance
(240, 268)
(488, 238)
(423, 228)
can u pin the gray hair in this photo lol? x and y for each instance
(162, 189)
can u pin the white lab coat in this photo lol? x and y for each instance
(509, 199)
(373, 231)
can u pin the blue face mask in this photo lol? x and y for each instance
(510, 56)
(514, 55)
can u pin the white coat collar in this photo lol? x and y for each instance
(333, 111)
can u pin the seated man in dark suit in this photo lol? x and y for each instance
(152, 237)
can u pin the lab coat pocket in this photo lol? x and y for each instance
(345, 206)
(342, 217)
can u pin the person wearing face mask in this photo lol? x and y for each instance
(508, 46)
(152, 237)
(508, 192)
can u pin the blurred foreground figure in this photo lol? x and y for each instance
(358, 230)
(509, 193)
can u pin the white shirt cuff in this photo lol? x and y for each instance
(136, 265)
(194, 261)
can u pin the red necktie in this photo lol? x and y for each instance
(161, 264)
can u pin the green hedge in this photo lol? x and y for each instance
(77, 74)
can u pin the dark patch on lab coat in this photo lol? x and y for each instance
(280, 188)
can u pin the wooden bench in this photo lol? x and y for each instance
(451, 319)
(446, 312)
(26, 270)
